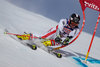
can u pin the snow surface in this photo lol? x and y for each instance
(14, 54)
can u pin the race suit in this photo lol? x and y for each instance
(63, 30)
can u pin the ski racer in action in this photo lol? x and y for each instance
(59, 35)
(63, 32)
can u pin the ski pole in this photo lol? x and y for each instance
(92, 38)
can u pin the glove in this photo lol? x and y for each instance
(58, 39)
(65, 42)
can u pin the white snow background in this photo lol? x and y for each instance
(14, 54)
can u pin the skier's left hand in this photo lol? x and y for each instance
(65, 42)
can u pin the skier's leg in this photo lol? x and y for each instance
(40, 44)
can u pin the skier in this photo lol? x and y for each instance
(60, 35)
(63, 32)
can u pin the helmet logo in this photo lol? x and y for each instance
(76, 19)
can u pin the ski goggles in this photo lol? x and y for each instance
(74, 24)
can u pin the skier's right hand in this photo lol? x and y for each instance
(58, 39)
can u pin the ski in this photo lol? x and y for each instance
(33, 45)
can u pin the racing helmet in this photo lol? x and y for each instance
(75, 18)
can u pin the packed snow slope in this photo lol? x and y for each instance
(15, 54)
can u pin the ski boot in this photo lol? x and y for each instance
(49, 43)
